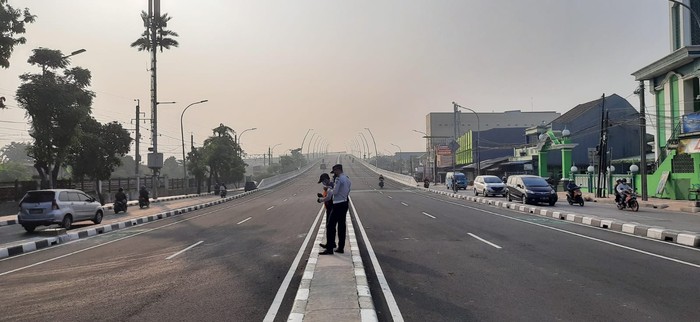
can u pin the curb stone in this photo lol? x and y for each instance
(89, 232)
(686, 238)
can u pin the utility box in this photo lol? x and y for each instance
(155, 160)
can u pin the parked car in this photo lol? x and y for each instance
(530, 189)
(489, 185)
(57, 206)
(250, 185)
(458, 178)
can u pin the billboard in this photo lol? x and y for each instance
(443, 150)
(691, 123)
(689, 146)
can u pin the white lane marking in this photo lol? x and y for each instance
(244, 220)
(405, 204)
(270, 207)
(390, 197)
(484, 240)
(277, 302)
(111, 241)
(184, 250)
(578, 235)
(285, 200)
(386, 290)
(429, 215)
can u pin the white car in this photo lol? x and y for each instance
(489, 185)
(57, 206)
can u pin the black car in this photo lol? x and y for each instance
(530, 189)
(250, 185)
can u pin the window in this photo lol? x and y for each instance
(63, 196)
(74, 196)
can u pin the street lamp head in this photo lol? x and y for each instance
(590, 169)
(634, 168)
(79, 51)
(574, 168)
(565, 133)
(203, 101)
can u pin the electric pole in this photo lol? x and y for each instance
(155, 159)
(137, 154)
(602, 150)
(642, 141)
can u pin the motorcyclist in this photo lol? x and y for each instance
(426, 182)
(120, 195)
(381, 178)
(381, 181)
(143, 193)
(623, 190)
(617, 194)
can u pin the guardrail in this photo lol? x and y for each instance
(275, 180)
(402, 178)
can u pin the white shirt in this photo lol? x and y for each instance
(341, 190)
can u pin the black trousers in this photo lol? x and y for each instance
(337, 218)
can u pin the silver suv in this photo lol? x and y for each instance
(57, 206)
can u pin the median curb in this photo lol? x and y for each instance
(89, 232)
(687, 238)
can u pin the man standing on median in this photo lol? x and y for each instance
(340, 195)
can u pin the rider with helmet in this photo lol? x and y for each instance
(120, 195)
(623, 190)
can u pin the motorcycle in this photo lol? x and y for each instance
(381, 184)
(223, 193)
(144, 202)
(119, 206)
(629, 202)
(574, 195)
(426, 184)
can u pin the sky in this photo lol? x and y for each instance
(338, 67)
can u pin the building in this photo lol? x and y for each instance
(440, 131)
(674, 80)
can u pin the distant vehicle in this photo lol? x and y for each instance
(458, 178)
(323, 166)
(250, 185)
(489, 185)
(57, 206)
(530, 189)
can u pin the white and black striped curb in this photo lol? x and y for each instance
(367, 311)
(51, 241)
(130, 203)
(687, 238)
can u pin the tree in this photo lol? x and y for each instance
(98, 150)
(197, 166)
(222, 155)
(12, 24)
(16, 152)
(56, 105)
(163, 36)
(172, 168)
(11, 171)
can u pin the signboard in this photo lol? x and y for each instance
(662, 182)
(689, 146)
(454, 146)
(444, 161)
(691, 123)
(155, 160)
(443, 150)
(592, 157)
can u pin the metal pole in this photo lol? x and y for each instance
(376, 155)
(182, 137)
(368, 154)
(695, 15)
(478, 135)
(309, 145)
(153, 11)
(642, 141)
(137, 156)
(454, 151)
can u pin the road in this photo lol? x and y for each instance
(444, 260)
(450, 260)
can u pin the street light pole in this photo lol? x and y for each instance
(695, 15)
(478, 134)
(642, 141)
(376, 155)
(240, 136)
(364, 140)
(182, 136)
(272, 150)
(79, 51)
(401, 158)
(308, 146)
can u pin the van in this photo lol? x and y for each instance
(57, 206)
(530, 189)
(458, 178)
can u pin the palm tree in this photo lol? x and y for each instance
(163, 38)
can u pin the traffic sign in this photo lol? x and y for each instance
(454, 146)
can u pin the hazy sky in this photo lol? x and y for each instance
(340, 66)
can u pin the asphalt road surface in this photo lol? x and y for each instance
(444, 260)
